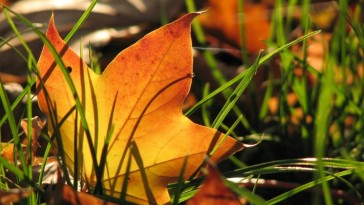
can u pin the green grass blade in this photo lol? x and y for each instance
(13, 127)
(322, 125)
(80, 21)
(230, 103)
(242, 75)
(68, 80)
(17, 51)
(306, 186)
(180, 183)
(103, 157)
(267, 95)
(244, 50)
(122, 199)
(246, 193)
(20, 38)
(226, 135)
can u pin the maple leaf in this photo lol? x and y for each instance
(140, 93)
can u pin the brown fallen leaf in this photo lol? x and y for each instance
(141, 93)
(9, 78)
(222, 20)
(37, 126)
(13, 195)
(7, 150)
(66, 195)
(214, 191)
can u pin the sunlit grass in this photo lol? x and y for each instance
(318, 101)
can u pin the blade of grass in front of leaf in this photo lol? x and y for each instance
(53, 121)
(130, 140)
(30, 61)
(57, 136)
(13, 127)
(230, 103)
(245, 193)
(122, 199)
(103, 157)
(180, 183)
(242, 75)
(68, 80)
(226, 128)
(12, 168)
(14, 105)
(226, 135)
(77, 154)
(32, 199)
(134, 150)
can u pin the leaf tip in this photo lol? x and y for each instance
(201, 12)
(51, 27)
(190, 16)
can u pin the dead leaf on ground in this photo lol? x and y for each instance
(222, 20)
(214, 191)
(7, 150)
(65, 194)
(13, 195)
(141, 91)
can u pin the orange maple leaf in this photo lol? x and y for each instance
(141, 94)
